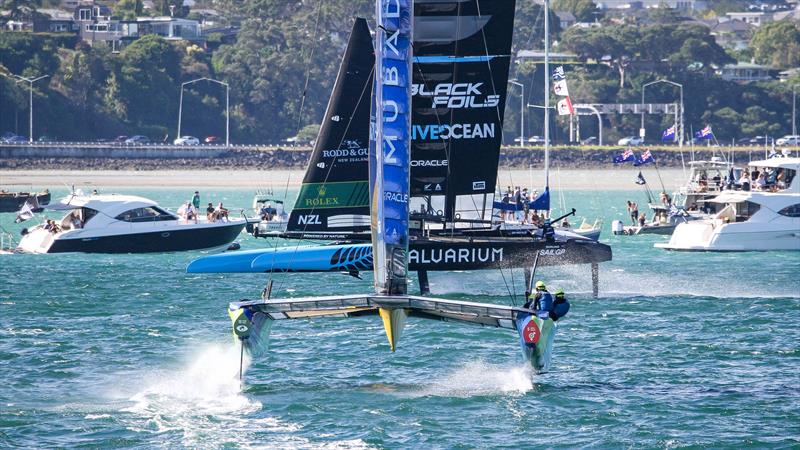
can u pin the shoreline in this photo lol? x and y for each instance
(569, 179)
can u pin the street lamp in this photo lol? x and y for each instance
(680, 125)
(794, 110)
(227, 106)
(521, 111)
(30, 82)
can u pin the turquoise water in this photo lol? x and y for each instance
(680, 350)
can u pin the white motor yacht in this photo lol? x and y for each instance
(124, 224)
(756, 220)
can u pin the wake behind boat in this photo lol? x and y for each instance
(124, 224)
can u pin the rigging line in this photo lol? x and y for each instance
(510, 295)
(308, 66)
(513, 286)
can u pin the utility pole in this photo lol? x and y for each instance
(794, 110)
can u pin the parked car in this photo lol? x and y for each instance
(536, 140)
(138, 139)
(122, 138)
(46, 138)
(789, 139)
(6, 136)
(211, 140)
(589, 141)
(631, 140)
(16, 140)
(186, 140)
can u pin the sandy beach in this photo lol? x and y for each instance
(572, 179)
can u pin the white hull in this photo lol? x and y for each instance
(704, 236)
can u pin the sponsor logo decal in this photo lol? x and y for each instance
(455, 255)
(429, 163)
(452, 131)
(478, 185)
(395, 197)
(309, 219)
(531, 333)
(552, 251)
(456, 95)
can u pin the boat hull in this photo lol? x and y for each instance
(433, 254)
(170, 240)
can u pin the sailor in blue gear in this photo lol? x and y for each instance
(541, 302)
(560, 306)
(548, 232)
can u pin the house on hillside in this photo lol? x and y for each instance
(566, 19)
(54, 21)
(755, 18)
(746, 72)
(683, 5)
(734, 34)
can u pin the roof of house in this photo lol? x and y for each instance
(566, 16)
(732, 26)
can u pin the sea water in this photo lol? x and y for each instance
(681, 349)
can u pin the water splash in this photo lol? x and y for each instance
(202, 400)
(479, 378)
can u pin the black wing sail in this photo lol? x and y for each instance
(462, 50)
(334, 199)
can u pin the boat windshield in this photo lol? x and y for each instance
(146, 214)
(772, 179)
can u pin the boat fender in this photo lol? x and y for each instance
(24, 231)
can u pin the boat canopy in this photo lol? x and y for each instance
(111, 205)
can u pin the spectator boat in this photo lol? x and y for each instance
(124, 224)
(756, 220)
(13, 201)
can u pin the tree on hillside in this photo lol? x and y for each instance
(145, 85)
(129, 9)
(615, 46)
(777, 44)
(583, 10)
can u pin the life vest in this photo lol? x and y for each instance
(544, 304)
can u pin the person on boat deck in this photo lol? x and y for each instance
(210, 212)
(642, 219)
(565, 223)
(505, 201)
(541, 301)
(191, 213)
(633, 210)
(517, 202)
(222, 213)
(745, 181)
(526, 207)
(196, 200)
(761, 182)
(75, 220)
(48, 225)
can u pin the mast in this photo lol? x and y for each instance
(546, 94)
(389, 159)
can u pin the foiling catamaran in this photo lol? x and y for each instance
(388, 194)
(458, 92)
